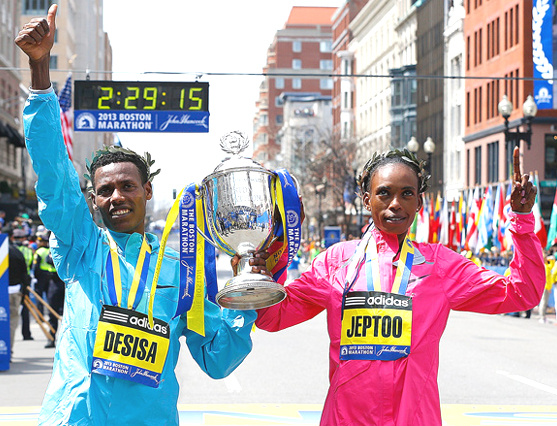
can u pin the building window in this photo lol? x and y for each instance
(326, 64)
(396, 99)
(279, 83)
(468, 109)
(413, 85)
(509, 148)
(326, 46)
(396, 134)
(263, 120)
(32, 7)
(278, 101)
(296, 64)
(551, 157)
(279, 119)
(476, 105)
(478, 165)
(468, 167)
(296, 46)
(493, 162)
(346, 66)
(53, 62)
(468, 53)
(517, 33)
(296, 83)
(326, 83)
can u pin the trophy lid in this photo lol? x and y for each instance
(234, 143)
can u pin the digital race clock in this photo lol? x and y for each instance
(126, 106)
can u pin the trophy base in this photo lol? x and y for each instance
(250, 291)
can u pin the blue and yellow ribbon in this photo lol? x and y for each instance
(189, 198)
(114, 277)
(403, 269)
(286, 198)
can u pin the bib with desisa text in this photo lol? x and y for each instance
(127, 348)
(376, 326)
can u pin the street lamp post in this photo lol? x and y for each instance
(359, 209)
(320, 191)
(429, 147)
(529, 109)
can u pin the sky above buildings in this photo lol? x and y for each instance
(178, 40)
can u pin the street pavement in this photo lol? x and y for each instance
(484, 377)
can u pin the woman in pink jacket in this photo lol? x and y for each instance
(388, 299)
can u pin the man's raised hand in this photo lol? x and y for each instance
(37, 36)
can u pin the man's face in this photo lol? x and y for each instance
(121, 198)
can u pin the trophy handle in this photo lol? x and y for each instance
(210, 241)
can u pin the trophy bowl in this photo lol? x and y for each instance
(239, 209)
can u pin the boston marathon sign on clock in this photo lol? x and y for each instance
(125, 106)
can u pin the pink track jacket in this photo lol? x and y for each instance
(404, 392)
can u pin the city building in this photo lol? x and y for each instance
(430, 99)
(12, 144)
(344, 82)
(508, 45)
(305, 140)
(383, 41)
(298, 61)
(82, 50)
(454, 95)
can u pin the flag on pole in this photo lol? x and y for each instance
(435, 219)
(505, 221)
(539, 227)
(66, 114)
(485, 221)
(444, 223)
(422, 228)
(462, 219)
(498, 214)
(453, 227)
(552, 233)
(472, 220)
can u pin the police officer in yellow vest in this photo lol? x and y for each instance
(48, 280)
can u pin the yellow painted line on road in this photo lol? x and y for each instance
(309, 414)
(499, 415)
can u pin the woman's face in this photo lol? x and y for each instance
(393, 198)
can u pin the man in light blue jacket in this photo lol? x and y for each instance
(112, 365)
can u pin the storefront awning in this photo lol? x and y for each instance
(14, 137)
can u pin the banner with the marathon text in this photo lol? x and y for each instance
(141, 121)
(542, 52)
(4, 305)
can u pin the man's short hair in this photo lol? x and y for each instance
(115, 154)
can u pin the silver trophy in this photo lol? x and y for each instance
(239, 210)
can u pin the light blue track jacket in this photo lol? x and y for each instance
(75, 396)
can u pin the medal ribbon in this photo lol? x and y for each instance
(286, 198)
(186, 300)
(196, 314)
(355, 262)
(403, 269)
(114, 277)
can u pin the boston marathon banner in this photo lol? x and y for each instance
(542, 46)
(4, 305)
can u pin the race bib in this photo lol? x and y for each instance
(376, 326)
(127, 348)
